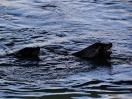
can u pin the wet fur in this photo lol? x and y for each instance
(28, 52)
(97, 50)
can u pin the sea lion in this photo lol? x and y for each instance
(28, 52)
(25, 52)
(95, 51)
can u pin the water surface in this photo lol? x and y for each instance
(61, 27)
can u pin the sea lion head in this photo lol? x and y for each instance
(28, 52)
(103, 50)
(95, 51)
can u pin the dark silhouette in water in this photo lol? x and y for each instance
(28, 52)
(95, 51)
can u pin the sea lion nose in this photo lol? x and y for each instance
(111, 44)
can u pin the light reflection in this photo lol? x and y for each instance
(119, 96)
(9, 4)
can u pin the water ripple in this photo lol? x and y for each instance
(61, 27)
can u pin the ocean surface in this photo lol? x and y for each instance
(60, 28)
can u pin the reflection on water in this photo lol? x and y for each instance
(61, 27)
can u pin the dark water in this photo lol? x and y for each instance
(61, 27)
